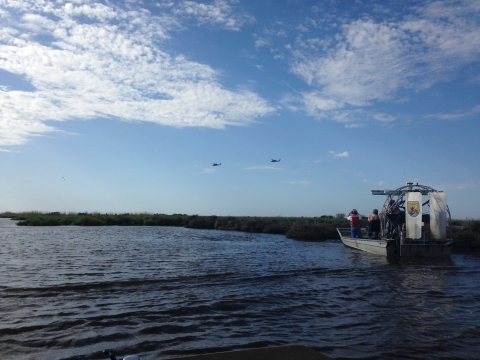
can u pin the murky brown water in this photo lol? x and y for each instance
(158, 292)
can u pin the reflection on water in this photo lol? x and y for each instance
(159, 292)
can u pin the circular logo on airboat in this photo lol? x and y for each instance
(413, 208)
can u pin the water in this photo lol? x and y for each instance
(159, 292)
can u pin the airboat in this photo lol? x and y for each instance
(413, 223)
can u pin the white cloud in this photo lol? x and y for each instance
(219, 13)
(456, 116)
(108, 66)
(371, 61)
(386, 118)
(301, 182)
(365, 65)
(314, 102)
(342, 154)
(354, 125)
(260, 42)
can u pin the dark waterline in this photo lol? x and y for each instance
(159, 292)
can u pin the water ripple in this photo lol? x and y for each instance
(69, 292)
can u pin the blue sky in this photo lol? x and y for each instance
(123, 106)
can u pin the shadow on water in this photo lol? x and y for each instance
(418, 261)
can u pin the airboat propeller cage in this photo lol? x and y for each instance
(433, 211)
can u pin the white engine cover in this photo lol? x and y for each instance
(413, 215)
(438, 215)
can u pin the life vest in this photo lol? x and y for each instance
(354, 220)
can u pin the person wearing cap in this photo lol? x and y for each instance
(355, 218)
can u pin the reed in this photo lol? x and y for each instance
(466, 235)
(465, 232)
(36, 218)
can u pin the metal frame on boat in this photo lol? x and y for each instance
(413, 223)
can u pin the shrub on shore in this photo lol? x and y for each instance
(467, 236)
(200, 222)
(465, 232)
(270, 225)
(96, 219)
(266, 225)
(305, 230)
(276, 228)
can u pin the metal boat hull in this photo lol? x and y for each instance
(426, 250)
(390, 248)
(378, 247)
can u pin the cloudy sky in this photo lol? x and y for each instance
(123, 106)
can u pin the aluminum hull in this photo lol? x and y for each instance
(390, 248)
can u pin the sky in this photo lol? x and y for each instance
(124, 106)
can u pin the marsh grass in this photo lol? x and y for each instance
(465, 232)
(37, 218)
(316, 228)
(467, 235)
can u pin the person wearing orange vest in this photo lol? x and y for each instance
(355, 218)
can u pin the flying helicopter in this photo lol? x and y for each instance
(216, 164)
(273, 160)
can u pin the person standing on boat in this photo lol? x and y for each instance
(374, 224)
(394, 213)
(393, 208)
(355, 218)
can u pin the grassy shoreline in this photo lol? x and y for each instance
(465, 232)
